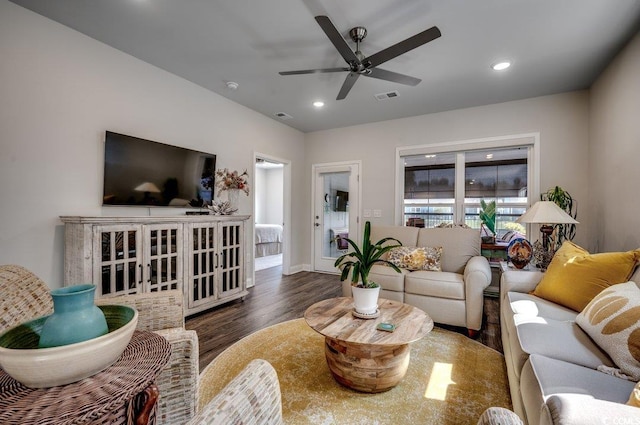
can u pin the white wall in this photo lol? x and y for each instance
(60, 91)
(615, 152)
(269, 196)
(561, 120)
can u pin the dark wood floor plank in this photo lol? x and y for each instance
(277, 298)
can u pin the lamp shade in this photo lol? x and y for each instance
(147, 187)
(546, 212)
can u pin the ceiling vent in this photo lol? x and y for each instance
(388, 95)
(283, 116)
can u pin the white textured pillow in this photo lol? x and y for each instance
(612, 320)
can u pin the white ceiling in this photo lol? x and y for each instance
(555, 46)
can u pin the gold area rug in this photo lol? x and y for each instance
(451, 379)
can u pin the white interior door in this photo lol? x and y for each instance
(336, 212)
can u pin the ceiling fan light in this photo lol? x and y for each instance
(501, 66)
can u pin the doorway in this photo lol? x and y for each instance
(336, 206)
(271, 213)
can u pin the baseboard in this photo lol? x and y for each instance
(299, 268)
(250, 283)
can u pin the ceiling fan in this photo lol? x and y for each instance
(359, 65)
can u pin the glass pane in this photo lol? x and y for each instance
(119, 244)
(106, 246)
(132, 244)
(106, 280)
(429, 176)
(496, 174)
(335, 213)
(429, 189)
(132, 275)
(120, 278)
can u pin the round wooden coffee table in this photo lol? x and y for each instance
(359, 355)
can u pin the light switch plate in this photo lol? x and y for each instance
(367, 213)
(377, 213)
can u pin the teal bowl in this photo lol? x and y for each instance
(37, 367)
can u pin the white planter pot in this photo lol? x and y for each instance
(365, 300)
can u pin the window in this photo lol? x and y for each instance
(441, 184)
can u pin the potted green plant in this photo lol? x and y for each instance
(359, 262)
(563, 199)
(488, 217)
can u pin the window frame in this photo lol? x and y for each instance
(529, 140)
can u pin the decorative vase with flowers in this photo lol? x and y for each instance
(233, 183)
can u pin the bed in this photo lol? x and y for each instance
(268, 239)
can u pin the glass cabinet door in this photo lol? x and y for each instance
(163, 259)
(117, 270)
(230, 271)
(203, 263)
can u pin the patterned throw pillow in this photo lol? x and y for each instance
(612, 320)
(412, 258)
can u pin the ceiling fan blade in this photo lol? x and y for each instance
(402, 47)
(313, 71)
(346, 86)
(336, 38)
(383, 74)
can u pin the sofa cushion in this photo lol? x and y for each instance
(557, 377)
(574, 276)
(528, 304)
(435, 284)
(523, 304)
(458, 245)
(408, 236)
(543, 377)
(562, 340)
(612, 319)
(387, 277)
(416, 258)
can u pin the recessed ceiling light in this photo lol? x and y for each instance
(429, 156)
(318, 104)
(501, 66)
(489, 156)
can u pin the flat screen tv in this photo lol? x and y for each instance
(142, 172)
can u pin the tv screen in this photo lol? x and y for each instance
(142, 172)
(342, 200)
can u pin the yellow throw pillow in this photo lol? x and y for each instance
(574, 276)
(612, 320)
(634, 398)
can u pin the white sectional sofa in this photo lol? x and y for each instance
(453, 296)
(551, 362)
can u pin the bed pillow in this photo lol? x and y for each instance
(612, 320)
(416, 258)
(574, 276)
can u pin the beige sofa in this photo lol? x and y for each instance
(551, 362)
(453, 296)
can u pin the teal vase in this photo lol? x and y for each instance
(75, 317)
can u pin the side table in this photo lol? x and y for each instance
(124, 393)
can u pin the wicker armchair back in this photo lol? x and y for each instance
(23, 296)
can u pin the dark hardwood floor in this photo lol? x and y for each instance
(276, 298)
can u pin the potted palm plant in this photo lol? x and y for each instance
(488, 218)
(359, 263)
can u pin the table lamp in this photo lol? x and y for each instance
(546, 213)
(147, 188)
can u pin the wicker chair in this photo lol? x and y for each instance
(23, 296)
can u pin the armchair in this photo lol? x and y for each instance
(24, 296)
